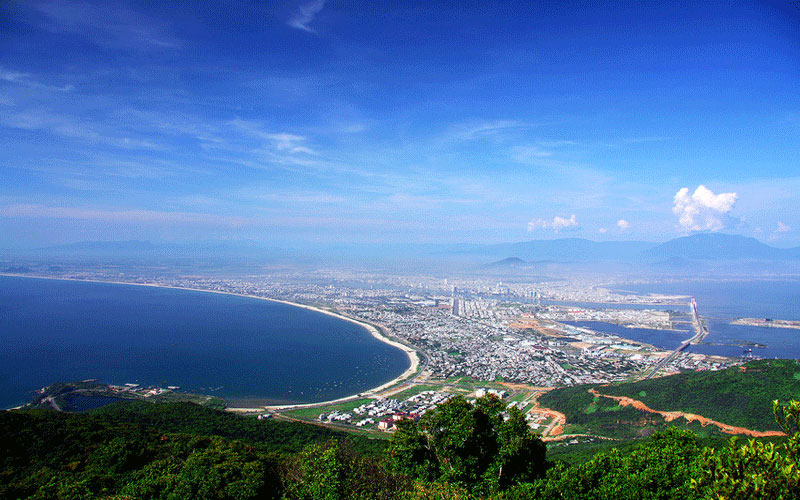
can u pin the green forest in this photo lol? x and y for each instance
(461, 450)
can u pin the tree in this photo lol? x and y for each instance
(657, 469)
(755, 470)
(480, 446)
(333, 471)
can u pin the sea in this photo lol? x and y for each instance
(247, 351)
(719, 302)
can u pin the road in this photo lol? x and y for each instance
(701, 331)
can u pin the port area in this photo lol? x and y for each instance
(767, 323)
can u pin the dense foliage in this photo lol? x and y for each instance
(186, 418)
(469, 445)
(150, 451)
(740, 396)
(459, 451)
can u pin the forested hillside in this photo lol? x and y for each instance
(461, 450)
(739, 396)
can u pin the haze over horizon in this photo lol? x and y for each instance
(323, 122)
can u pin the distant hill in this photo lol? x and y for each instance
(676, 253)
(506, 263)
(679, 253)
(558, 250)
(718, 246)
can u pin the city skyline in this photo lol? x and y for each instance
(347, 121)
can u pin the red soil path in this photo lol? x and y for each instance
(669, 416)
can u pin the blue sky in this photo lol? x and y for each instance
(330, 121)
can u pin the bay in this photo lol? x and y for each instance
(245, 350)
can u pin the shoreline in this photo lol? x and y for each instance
(412, 355)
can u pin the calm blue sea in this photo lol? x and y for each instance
(719, 302)
(246, 350)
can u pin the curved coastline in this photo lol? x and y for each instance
(410, 353)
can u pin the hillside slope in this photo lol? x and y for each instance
(738, 396)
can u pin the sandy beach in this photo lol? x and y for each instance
(411, 353)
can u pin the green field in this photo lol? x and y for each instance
(313, 413)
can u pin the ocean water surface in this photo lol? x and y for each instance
(245, 350)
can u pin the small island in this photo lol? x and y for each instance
(767, 323)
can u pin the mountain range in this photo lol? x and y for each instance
(697, 247)
(703, 246)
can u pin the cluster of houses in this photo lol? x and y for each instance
(388, 411)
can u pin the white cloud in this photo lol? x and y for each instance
(602, 230)
(702, 210)
(560, 223)
(557, 224)
(535, 224)
(305, 15)
(623, 224)
(783, 228)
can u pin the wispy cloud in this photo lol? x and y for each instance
(294, 198)
(305, 15)
(289, 142)
(107, 24)
(37, 211)
(645, 139)
(74, 128)
(281, 148)
(27, 80)
(12, 76)
(622, 224)
(482, 129)
(529, 154)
